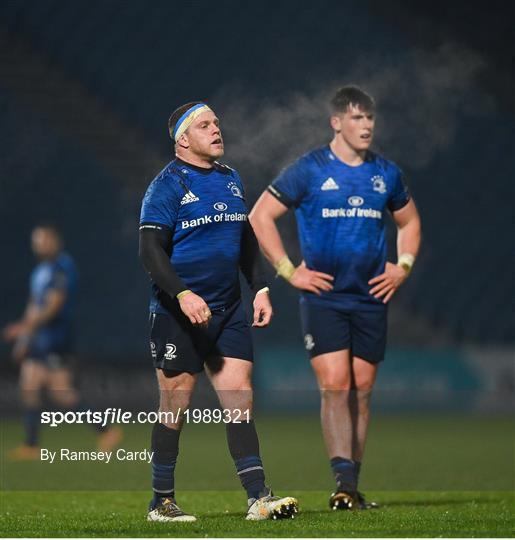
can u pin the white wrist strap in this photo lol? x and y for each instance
(264, 289)
(406, 261)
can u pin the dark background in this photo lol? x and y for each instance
(87, 88)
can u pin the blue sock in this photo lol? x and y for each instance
(252, 476)
(32, 421)
(165, 446)
(244, 448)
(345, 473)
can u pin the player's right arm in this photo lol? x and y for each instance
(35, 316)
(15, 329)
(18, 332)
(263, 217)
(154, 246)
(157, 221)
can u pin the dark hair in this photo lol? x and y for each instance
(178, 113)
(351, 96)
(49, 225)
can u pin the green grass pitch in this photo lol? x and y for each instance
(220, 513)
(435, 476)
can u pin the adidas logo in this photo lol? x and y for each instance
(189, 198)
(329, 184)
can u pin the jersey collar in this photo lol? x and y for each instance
(180, 163)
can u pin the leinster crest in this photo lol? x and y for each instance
(235, 190)
(378, 184)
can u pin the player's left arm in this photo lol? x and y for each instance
(407, 220)
(252, 267)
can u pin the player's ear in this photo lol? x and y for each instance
(183, 141)
(336, 123)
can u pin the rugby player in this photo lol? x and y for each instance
(340, 193)
(44, 340)
(194, 239)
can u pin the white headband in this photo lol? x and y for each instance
(187, 119)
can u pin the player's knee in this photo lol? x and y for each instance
(173, 381)
(364, 384)
(64, 398)
(174, 400)
(242, 387)
(239, 397)
(364, 375)
(332, 383)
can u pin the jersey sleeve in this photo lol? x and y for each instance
(290, 186)
(160, 206)
(399, 196)
(59, 280)
(239, 183)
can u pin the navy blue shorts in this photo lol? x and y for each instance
(53, 360)
(177, 345)
(53, 354)
(329, 329)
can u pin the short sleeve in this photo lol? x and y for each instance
(160, 205)
(59, 280)
(239, 183)
(399, 196)
(290, 186)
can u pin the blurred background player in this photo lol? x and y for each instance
(340, 193)
(44, 340)
(194, 239)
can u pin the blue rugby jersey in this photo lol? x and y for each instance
(59, 274)
(205, 210)
(340, 217)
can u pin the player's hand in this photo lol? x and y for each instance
(263, 310)
(194, 307)
(14, 331)
(20, 349)
(311, 280)
(388, 282)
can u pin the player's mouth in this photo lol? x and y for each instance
(366, 136)
(218, 142)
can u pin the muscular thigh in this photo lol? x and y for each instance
(60, 379)
(233, 383)
(333, 370)
(33, 376)
(60, 386)
(363, 373)
(175, 389)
